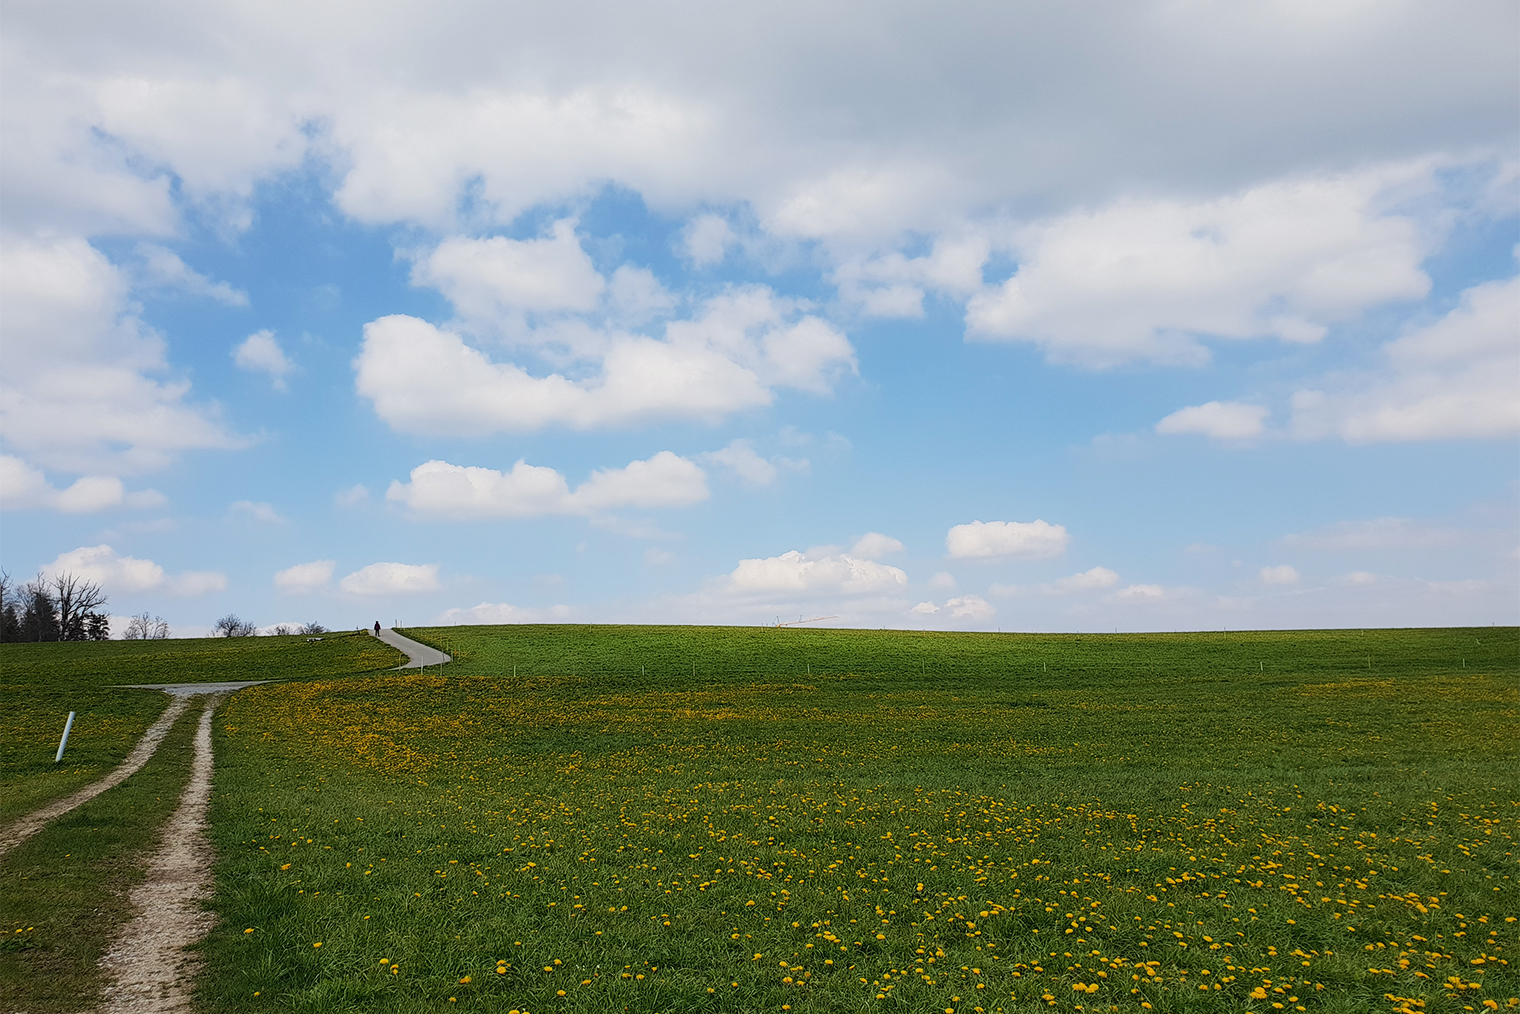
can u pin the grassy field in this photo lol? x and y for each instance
(41, 683)
(588, 819)
(64, 893)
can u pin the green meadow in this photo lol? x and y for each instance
(589, 819)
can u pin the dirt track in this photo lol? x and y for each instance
(33, 822)
(149, 966)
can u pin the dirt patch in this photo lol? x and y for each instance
(35, 821)
(148, 965)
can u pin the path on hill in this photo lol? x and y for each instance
(180, 693)
(417, 653)
(148, 965)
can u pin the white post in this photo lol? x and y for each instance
(65, 740)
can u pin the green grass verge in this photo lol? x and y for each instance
(41, 683)
(687, 819)
(64, 893)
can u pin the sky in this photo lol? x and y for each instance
(1161, 315)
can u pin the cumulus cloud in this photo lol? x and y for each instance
(260, 352)
(1281, 574)
(799, 573)
(970, 607)
(258, 511)
(162, 268)
(79, 392)
(892, 284)
(392, 579)
(742, 346)
(1140, 593)
(943, 581)
(305, 578)
(495, 279)
(1217, 420)
(874, 545)
(1453, 379)
(128, 574)
(740, 458)
(23, 486)
(706, 238)
(1141, 279)
(441, 490)
(963, 607)
(491, 613)
(989, 539)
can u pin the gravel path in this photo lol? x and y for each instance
(148, 967)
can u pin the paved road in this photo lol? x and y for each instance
(417, 654)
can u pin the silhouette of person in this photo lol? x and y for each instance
(377, 628)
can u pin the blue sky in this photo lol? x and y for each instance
(1189, 316)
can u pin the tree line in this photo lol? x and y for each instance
(63, 607)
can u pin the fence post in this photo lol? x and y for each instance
(65, 740)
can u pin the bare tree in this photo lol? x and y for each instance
(281, 630)
(232, 625)
(145, 627)
(312, 628)
(74, 598)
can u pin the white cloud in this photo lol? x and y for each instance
(258, 511)
(893, 285)
(1140, 593)
(162, 268)
(943, 581)
(665, 480)
(22, 486)
(794, 572)
(740, 458)
(128, 574)
(963, 607)
(984, 540)
(502, 612)
(1281, 574)
(1088, 580)
(706, 240)
(353, 496)
(874, 545)
(635, 295)
(304, 578)
(970, 607)
(1377, 533)
(1141, 279)
(77, 393)
(260, 352)
(1217, 420)
(1453, 379)
(392, 579)
(496, 279)
(441, 490)
(743, 345)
